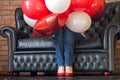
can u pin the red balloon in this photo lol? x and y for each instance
(62, 21)
(34, 9)
(48, 25)
(37, 34)
(97, 16)
(96, 9)
(81, 4)
(62, 18)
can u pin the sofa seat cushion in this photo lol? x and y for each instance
(48, 43)
(90, 40)
(40, 43)
(93, 43)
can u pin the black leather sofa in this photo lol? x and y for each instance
(94, 54)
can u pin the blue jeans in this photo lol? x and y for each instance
(64, 43)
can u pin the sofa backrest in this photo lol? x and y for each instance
(111, 13)
(21, 25)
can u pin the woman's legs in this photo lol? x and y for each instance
(59, 48)
(68, 53)
(64, 43)
(68, 47)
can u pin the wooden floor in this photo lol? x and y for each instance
(97, 77)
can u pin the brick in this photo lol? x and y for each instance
(116, 62)
(3, 58)
(8, 22)
(18, 3)
(117, 56)
(4, 63)
(4, 53)
(117, 51)
(2, 38)
(117, 46)
(0, 7)
(2, 13)
(4, 48)
(5, 68)
(4, 3)
(2, 43)
(13, 23)
(2, 22)
(1, 68)
(117, 66)
(118, 42)
(8, 7)
(6, 17)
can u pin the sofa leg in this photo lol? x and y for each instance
(106, 73)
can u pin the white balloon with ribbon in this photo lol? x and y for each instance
(78, 22)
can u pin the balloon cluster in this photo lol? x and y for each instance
(49, 16)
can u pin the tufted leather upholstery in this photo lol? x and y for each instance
(94, 53)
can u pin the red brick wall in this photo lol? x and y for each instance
(7, 8)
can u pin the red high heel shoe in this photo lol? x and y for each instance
(60, 74)
(69, 71)
(68, 74)
(61, 71)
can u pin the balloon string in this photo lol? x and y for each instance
(83, 35)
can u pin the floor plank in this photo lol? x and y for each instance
(95, 77)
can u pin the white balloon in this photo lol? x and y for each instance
(29, 21)
(57, 6)
(78, 21)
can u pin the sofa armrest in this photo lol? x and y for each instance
(110, 34)
(12, 35)
(110, 37)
